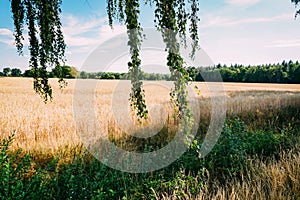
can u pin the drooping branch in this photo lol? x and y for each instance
(168, 26)
(18, 14)
(46, 41)
(137, 96)
(182, 18)
(194, 18)
(110, 11)
(171, 18)
(296, 2)
(115, 10)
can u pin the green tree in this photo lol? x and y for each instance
(107, 75)
(74, 73)
(65, 72)
(15, 72)
(192, 73)
(6, 71)
(294, 73)
(83, 75)
(28, 73)
(227, 74)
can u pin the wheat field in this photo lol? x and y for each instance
(49, 126)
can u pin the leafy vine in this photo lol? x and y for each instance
(46, 41)
(296, 2)
(171, 18)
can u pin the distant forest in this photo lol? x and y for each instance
(285, 72)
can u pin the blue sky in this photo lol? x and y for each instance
(231, 31)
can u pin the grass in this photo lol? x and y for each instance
(256, 157)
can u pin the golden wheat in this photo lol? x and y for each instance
(51, 126)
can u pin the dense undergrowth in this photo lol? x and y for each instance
(249, 145)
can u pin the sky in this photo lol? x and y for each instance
(248, 32)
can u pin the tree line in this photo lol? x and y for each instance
(123, 76)
(285, 72)
(57, 72)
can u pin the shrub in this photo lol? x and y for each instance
(228, 157)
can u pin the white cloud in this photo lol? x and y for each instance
(106, 32)
(218, 21)
(76, 26)
(8, 42)
(83, 34)
(286, 43)
(6, 32)
(6, 37)
(242, 2)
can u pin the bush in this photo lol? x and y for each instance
(17, 180)
(229, 157)
(237, 145)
